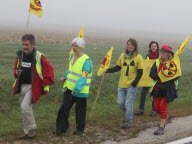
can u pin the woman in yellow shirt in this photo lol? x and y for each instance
(131, 66)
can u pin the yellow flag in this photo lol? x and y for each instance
(183, 45)
(171, 70)
(81, 33)
(106, 62)
(36, 8)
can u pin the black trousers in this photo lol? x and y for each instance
(144, 92)
(62, 123)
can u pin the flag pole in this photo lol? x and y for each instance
(97, 94)
(59, 89)
(28, 22)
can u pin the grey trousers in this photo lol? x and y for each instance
(26, 108)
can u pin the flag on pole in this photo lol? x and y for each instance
(183, 45)
(172, 69)
(81, 33)
(36, 8)
(106, 62)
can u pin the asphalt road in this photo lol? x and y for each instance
(178, 128)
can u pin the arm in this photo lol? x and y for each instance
(139, 71)
(153, 72)
(87, 68)
(47, 72)
(15, 68)
(138, 77)
(117, 67)
(114, 69)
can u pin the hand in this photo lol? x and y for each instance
(18, 72)
(73, 92)
(62, 79)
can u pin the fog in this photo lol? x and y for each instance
(128, 16)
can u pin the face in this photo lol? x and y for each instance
(164, 55)
(75, 47)
(130, 47)
(153, 47)
(27, 47)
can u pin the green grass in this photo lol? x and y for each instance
(106, 112)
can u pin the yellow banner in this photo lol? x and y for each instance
(145, 80)
(106, 62)
(36, 8)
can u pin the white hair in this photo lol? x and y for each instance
(80, 42)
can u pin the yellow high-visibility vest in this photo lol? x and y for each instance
(75, 72)
(38, 68)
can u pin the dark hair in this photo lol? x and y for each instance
(134, 43)
(153, 42)
(29, 37)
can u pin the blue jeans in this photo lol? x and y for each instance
(125, 100)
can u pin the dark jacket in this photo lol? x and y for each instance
(171, 92)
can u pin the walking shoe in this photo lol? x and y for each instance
(159, 131)
(78, 132)
(24, 137)
(31, 134)
(153, 113)
(139, 112)
(126, 125)
(58, 133)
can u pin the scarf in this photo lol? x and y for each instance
(130, 55)
(153, 55)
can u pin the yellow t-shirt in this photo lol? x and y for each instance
(129, 69)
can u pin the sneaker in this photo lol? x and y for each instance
(24, 137)
(78, 132)
(139, 112)
(126, 125)
(153, 113)
(159, 131)
(31, 134)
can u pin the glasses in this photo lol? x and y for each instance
(74, 46)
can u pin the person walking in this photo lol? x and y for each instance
(77, 80)
(34, 74)
(130, 63)
(163, 92)
(153, 54)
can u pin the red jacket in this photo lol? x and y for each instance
(37, 83)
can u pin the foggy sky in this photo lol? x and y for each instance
(173, 16)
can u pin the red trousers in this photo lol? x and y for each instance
(160, 106)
